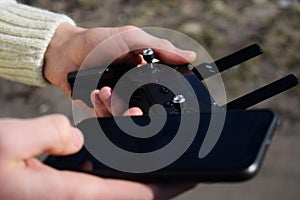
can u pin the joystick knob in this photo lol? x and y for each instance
(148, 55)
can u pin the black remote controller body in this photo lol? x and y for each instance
(152, 90)
(83, 82)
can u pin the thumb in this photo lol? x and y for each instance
(52, 134)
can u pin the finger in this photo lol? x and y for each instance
(113, 103)
(174, 56)
(96, 187)
(103, 105)
(105, 95)
(134, 111)
(107, 188)
(73, 185)
(167, 54)
(126, 45)
(51, 134)
(99, 107)
(131, 59)
(164, 50)
(102, 102)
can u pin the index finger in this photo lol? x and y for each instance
(164, 50)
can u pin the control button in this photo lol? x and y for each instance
(168, 104)
(174, 112)
(164, 90)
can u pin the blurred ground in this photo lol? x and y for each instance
(221, 27)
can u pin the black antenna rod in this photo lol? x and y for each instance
(263, 93)
(206, 70)
(238, 57)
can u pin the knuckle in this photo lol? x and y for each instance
(90, 37)
(61, 129)
(128, 28)
(165, 43)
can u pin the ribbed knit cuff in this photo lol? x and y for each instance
(25, 33)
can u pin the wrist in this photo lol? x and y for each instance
(61, 56)
(25, 35)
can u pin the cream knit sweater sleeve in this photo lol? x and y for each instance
(25, 33)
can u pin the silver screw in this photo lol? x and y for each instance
(148, 55)
(178, 99)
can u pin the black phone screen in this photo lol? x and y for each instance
(236, 156)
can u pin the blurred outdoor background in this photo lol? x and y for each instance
(221, 27)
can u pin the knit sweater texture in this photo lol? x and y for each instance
(25, 33)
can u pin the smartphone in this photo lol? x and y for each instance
(236, 156)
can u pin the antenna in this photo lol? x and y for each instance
(206, 70)
(263, 93)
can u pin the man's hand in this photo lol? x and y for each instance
(22, 176)
(70, 45)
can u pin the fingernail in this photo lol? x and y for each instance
(187, 54)
(78, 138)
(105, 94)
(136, 112)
